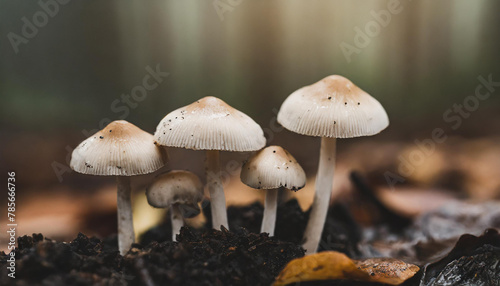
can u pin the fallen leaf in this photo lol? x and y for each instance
(332, 265)
(328, 265)
(387, 270)
(475, 260)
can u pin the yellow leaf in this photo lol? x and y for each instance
(332, 265)
(328, 265)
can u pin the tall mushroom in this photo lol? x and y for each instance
(175, 190)
(121, 149)
(272, 168)
(211, 124)
(331, 108)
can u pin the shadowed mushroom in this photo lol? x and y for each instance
(331, 108)
(121, 149)
(211, 124)
(270, 169)
(179, 191)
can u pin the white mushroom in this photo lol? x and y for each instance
(173, 190)
(121, 149)
(271, 168)
(211, 124)
(332, 108)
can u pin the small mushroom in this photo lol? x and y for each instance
(121, 149)
(211, 124)
(331, 108)
(177, 190)
(271, 168)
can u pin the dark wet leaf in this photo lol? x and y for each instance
(473, 261)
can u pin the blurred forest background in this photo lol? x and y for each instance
(66, 78)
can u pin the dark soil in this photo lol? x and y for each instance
(341, 232)
(199, 258)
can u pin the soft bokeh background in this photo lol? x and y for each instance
(65, 79)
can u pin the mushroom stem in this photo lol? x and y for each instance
(217, 198)
(177, 221)
(269, 219)
(126, 234)
(324, 181)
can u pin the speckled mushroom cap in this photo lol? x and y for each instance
(175, 187)
(210, 124)
(333, 107)
(120, 149)
(271, 168)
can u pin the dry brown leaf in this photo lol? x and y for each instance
(387, 270)
(332, 265)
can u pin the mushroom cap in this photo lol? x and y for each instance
(273, 167)
(333, 107)
(120, 149)
(175, 187)
(210, 124)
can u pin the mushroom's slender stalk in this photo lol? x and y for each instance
(217, 198)
(126, 235)
(269, 219)
(324, 181)
(177, 221)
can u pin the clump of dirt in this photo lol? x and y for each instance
(84, 261)
(341, 232)
(212, 258)
(199, 257)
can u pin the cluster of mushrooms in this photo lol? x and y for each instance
(332, 108)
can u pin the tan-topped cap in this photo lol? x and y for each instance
(175, 187)
(120, 149)
(271, 168)
(333, 107)
(210, 124)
